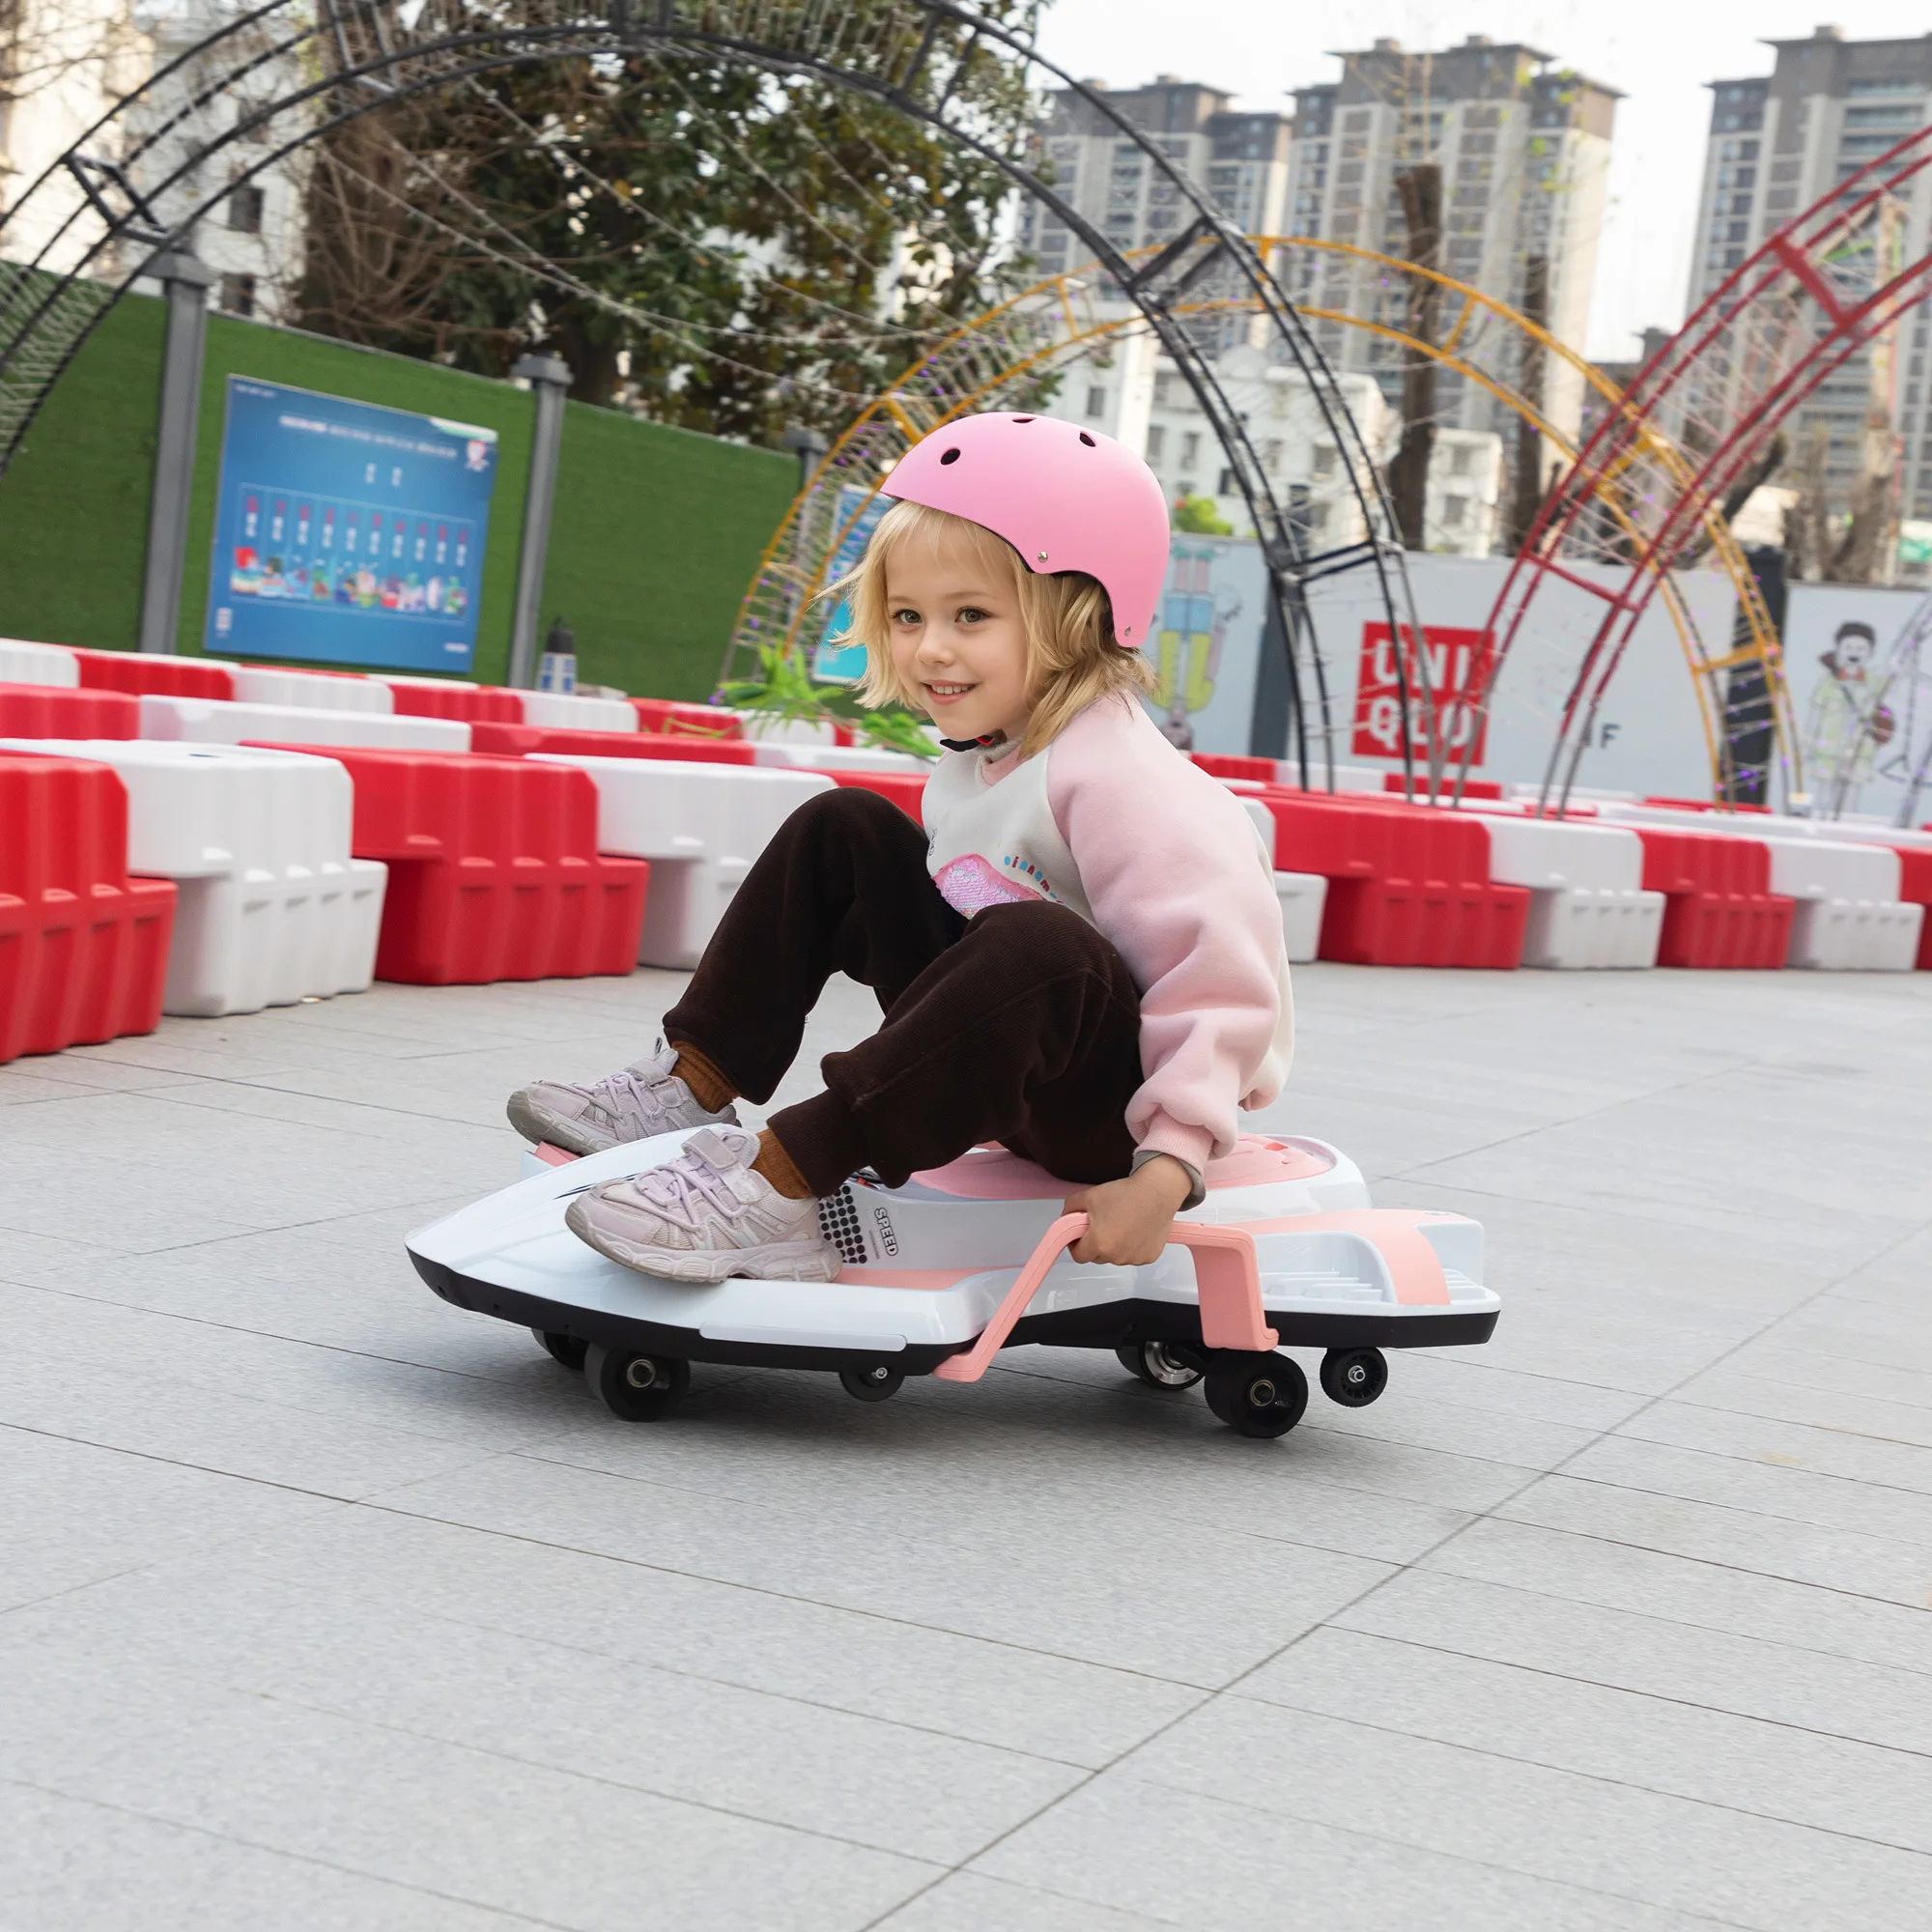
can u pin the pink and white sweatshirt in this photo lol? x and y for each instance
(1114, 824)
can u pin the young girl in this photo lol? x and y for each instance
(1080, 957)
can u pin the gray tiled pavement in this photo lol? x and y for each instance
(323, 1604)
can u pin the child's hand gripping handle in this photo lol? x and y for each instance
(1225, 1274)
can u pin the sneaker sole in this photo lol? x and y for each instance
(783, 1260)
(537, 1124)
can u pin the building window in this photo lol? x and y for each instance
(1271, 455)
(1190, 451)
(1157, 438)
(1097, 402)
(1325, 460)
(1226, 486)
(237, 294)
(1455, 513)
(244, 211)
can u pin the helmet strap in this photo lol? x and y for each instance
(973, 744)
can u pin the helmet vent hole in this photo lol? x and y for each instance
(1023, 419)
(1088, 440)
(950, 456)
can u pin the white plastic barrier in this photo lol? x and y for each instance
(566, 711)
(1587, 907)
(1847, 917)
(763, 727)
(702, 827)
(1302, 895)
(434, 683)
(275, 684)
(210, 721)
(22, 663)
(270, 908)
(837, 758)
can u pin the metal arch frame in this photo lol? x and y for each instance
(783, 587)
(821, 35)
(1785, 274)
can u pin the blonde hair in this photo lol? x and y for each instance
(1072, 655)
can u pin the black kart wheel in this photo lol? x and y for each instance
(564, 1349)
(875, 1382)
(1354, 1376)
(636, 1388)
(1257, 1395)
(1159, 1365)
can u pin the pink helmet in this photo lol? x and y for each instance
(1063, 496)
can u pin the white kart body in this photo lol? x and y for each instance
(930, 1263)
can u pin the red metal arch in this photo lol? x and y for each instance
(1813, 296)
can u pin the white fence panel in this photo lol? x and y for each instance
(702, 827)
(210, 721)
(837, 758)
(22, 663)
(272, 907)
(1847, 918)
(566, 711)
(315, 691)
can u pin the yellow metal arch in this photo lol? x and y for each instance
(1058, 319)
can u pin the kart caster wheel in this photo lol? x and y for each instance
(564, 1349)
(875, 1382)
(634, 1388)
(1354, 1376)
(1256, 1395)
(1159, 1364)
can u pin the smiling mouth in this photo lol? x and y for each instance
(949, 690)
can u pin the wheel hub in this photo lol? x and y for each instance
(641, 1373)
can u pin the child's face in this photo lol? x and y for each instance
(958, 643)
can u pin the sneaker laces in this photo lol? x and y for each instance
(681, 1189)
(628, 1085)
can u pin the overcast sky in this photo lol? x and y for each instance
(1659, 53)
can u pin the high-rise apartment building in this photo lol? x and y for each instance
(1242, 161)
(1524, 149)
(1779, 142)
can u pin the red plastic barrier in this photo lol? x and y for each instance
(520, 739)
(685, 720)
(60, 711)
(468, 704)
(83, 948)
(905, 789)
(1719, 911)
(1703, 805)
(1472, 787)
(494, 868)
(1227, 765)
(165, 677)
(1408, 884)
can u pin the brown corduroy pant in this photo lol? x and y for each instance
(1020, 1025)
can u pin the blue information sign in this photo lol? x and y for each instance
(347, 533)
(857, 512)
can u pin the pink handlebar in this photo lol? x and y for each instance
(1225, 1274)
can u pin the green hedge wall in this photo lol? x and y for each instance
(655, 534)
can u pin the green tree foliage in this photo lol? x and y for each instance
(721, 247)
(1197, 517)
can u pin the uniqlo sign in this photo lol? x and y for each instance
(1458, 668)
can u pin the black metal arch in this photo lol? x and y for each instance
(911, 55)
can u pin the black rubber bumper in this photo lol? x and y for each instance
(1102, 1327)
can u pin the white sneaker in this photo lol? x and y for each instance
(706, 1216)
(632, 1104)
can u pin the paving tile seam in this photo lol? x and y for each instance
(263, 1086)
(1712, 1563)
(695, 1676)
(1362, 1432)
(1809, 1471)
(1578, 1886)
(210, 1469)
(783, 1596)
(1026, 1885)
(1633, 1487)
(275, 1335)
(1711, 1408)
(356, 1872)
(1604, 1778)
(358, 1721)
(1602, 1684)
(1851, 1361)
(1236, 1531)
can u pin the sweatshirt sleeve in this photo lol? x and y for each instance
(1176, 878)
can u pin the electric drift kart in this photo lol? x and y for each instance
(969, 1258)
